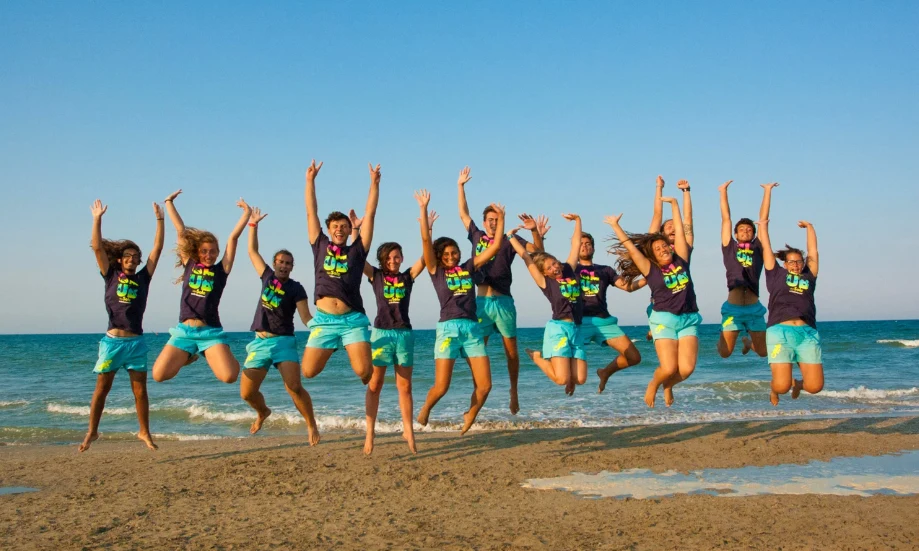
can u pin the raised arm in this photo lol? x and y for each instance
(573, 254)
(303, 308)
(355, 225)
(658, 217)
(427, 246)
(495, 246)
(636, 285)
(309, 197)
(680, 245)
(687, 212)
(177, 222)
(461, 192)
(538, 277)
(813, 260)
(768, 254)
(766, 205)
(96, 241)
(154, 258)
(258, 262)
(419, 264)
(229, 254)
(370, 213)
(725, 214)
(640, 260)
(530, 223)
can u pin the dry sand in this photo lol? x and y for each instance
(457, 493)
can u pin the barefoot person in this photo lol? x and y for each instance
(275, 343)
(743, 263)
(392, 340)
(598, 325)
(340, 321)
(495, 307)
(562, 358)
(123, 345)
(458, 331)
(203, 281)
(675, 320)
(791, 335)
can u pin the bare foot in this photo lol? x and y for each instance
(796, 389)
(467, 422)
(257, 424)
(88, 441)
(410, 438)
(774, 397)
(648, 337)
(668, 396)
(515, 405)
(366, 379)
(147, 439)
(650, 394)
(423, 417)
(569, 388)
(192, 358)
(747, 345)
(368, 444)
(533, 354)
(313, 430)
(604, 373)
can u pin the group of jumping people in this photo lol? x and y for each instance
(475, 303)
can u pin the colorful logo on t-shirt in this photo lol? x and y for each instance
(272, 295)
(127, 289)
(570, 288)
(744, 254)
(484, 243)
(796, 284)
(459, 281)
(590, 283)
(675, 278)
(201, 281)
(336, 261)
(393, 289)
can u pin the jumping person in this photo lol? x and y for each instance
(340, 320)
(203, 281)
(123, 345)
(495, 307)
(743, 263)
(275, 343)
(458, 331)
(791, 335)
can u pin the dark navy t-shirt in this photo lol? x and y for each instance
(496, 273)
(791, 296)
(455, 291)
(564, 295)
(339, 270)
(277, 305)
(126, 299)
(743, 264)
(671, 287)
(202, 287)
(393, 293)
(595, 279)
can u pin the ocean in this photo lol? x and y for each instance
(871, 369)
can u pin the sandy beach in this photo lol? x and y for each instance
(457, 493)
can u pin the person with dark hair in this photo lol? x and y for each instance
(598, 325)
(340, 320)
(275, 343)
(743, 263)
(562, 358)
(495, 308)
(791, 333)
(203, 282)
(123, 345)
(391, 339)
(675, 320)
(458, 332)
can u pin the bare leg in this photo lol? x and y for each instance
(688, 354)
(359, 356)
(103, 386)
(314, 360)
(481, 374)
(812, 379)
(443, 373)
(758, 342)
(142, 405)
(781, 381)
(726, 343)
(290, 373)
(169, 362)
(372, 405)
(249, 387)
(221, 361)
(668, 355)
(404, 386)
(557, 369)
(513, 370)
(628, 356)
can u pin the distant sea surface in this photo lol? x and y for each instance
(871, 369)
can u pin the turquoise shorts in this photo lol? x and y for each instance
(264, 353)
(743, 318)
(459, 338)
(665, 325)
(793, 343)
(497, 314)
(337, 331)
(562, 339)
(117, 352)
(392, 347)
(193, 339)
(600, 330)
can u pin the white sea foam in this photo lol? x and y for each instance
(862, 393)
(84, 410)
(188, 437)
(902, 342)
(13, 403)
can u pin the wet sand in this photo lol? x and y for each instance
(459, 492)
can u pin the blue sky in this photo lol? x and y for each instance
(556, 106)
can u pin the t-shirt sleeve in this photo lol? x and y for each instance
(321, 243)
(522, 241)
(267, 274)
(612, 275)
(143, 276)
(375, 274)
(299, 293)
(107, 276)
(473, 230)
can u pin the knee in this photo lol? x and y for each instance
(632, 356)
(582, 378)
(404, 386)
(512, 354)
(248, 393)
(781, 387)
(813, 386)
(229, 377)
(309, 371)
(140, 393)
(483, 390)
(375, 385)
(159, 376)
(669, 371)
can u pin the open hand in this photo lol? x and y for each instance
(463, 177)
(97, 209)
(256, 216)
